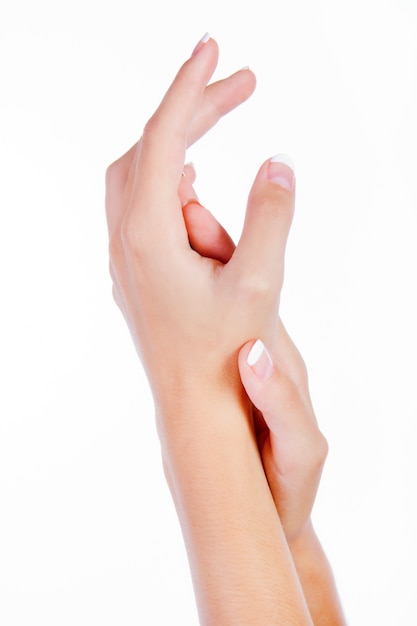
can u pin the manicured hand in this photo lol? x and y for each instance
(292, 447)
(189, 314)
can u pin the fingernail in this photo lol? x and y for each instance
(189, 170)
(260, 361)
(204, 39)
(281, 171)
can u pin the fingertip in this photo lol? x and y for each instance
(204, 45)
(200, 44)
(189, 172)
(255, 358)
(243, 354)
(260, 253)
(259, 360)
(281, 171)
(248, 77)
(204, 39)
(283, 158)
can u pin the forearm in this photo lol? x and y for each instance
(317, 579)
(242, 570)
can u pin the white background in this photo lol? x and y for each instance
(88, 535)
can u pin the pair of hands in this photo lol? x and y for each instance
(192, 299)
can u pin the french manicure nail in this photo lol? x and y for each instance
(260, 361)
(281, 171)
(204, 39)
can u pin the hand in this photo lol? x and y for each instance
(189, 314)
(292, 447)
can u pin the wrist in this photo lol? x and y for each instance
(200, 425)
(182, 383)
(234, 540)
(305, 547)
(194, 402)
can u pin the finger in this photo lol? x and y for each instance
(161, 153)
(289, 359)
(119, 181)
(294, 450)
(116, 179)
(186, 191)
(190, 172)
(278, 398)
(219, 99)
(261, 250)
(206, 235)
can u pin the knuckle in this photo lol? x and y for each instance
(128, 235)
(315, 452)
(301, 371)
(151, 127)
(321, 449)
(287, 392)
(115, 249)
(113, 270)
(313, 445)
(310, 454)
(159, 128)
(133, 240)
(116, 296)
(255, 287)
(152, 123)
(114, 174)
(275, 203)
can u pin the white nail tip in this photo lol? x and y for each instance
(283, 158)
(205, 38)
(255, 352)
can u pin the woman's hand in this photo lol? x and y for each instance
(189, 314)
(292, 447)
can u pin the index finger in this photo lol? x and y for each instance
(161, 153)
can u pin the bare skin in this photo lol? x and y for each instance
(292, 448)
(181, 297)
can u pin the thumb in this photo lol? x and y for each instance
(271, 390)
(261, 249)
(256, 369)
